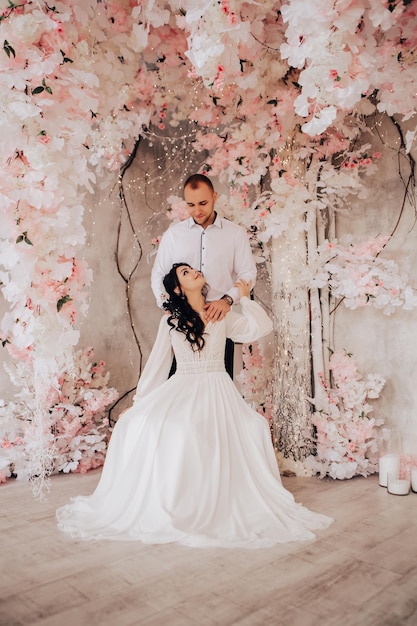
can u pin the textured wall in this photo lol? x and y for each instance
(380, 343)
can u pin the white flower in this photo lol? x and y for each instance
(320, 121)
(27, 28)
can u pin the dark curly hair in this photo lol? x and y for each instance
(188, 321)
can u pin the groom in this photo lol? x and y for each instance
(216, 246)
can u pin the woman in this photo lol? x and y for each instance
(190, 461)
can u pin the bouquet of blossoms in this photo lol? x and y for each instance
(79, 425)
(79, 419)
(346, 437)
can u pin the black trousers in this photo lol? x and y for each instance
(229, 354)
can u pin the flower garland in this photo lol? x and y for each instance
(79, 427)
(355, 273)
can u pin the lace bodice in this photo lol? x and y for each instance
(209, 359)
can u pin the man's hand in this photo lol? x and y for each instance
(216, 310)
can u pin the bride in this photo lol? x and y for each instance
(190, 462)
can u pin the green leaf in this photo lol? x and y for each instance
(62, 301)
(24, 237)
(8, 49)
(37, 90)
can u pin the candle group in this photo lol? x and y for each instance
(397, 462)
(391, 476)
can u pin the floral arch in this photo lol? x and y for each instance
(282, 98)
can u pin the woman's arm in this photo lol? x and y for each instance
(250, 325)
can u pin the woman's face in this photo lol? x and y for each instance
(190, 279)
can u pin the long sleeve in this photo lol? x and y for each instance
(250, 325)
(158, 365)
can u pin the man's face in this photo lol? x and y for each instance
(200, 204)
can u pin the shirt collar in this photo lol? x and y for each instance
(217, 222)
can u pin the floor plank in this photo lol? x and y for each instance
(362, 571)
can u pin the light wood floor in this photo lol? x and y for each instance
(360, 572)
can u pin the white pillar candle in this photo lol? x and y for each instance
(414, 479)
(398, 486)
(388, 463)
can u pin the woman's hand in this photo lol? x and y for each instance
(244, 287)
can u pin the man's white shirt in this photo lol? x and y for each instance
(221, 252)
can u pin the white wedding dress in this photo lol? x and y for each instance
(190, 462)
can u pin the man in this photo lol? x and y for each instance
(214, 245)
